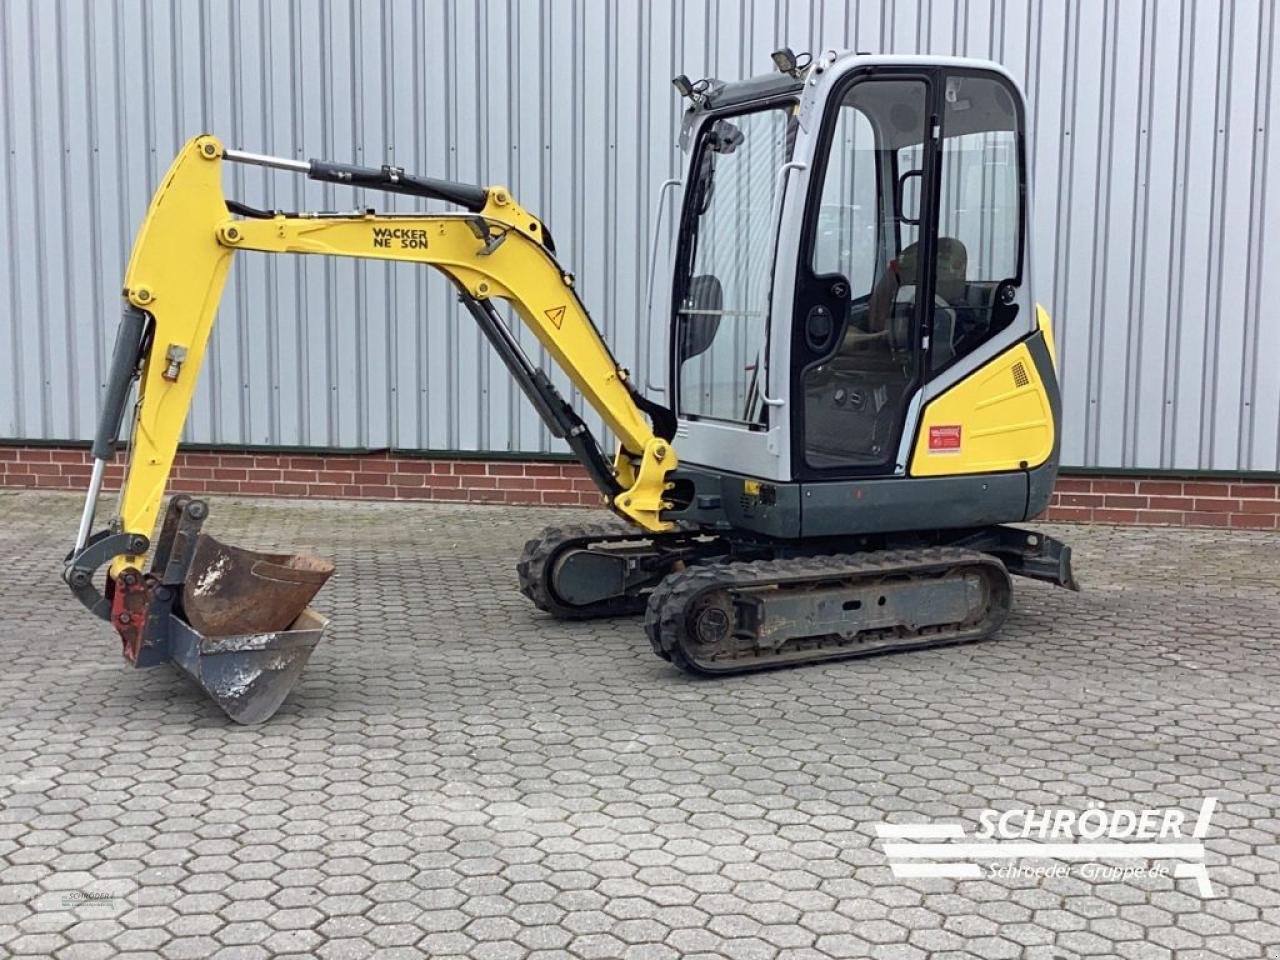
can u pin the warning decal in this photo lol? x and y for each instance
(944, 439)
(555, 315)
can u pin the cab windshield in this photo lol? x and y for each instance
(724, 269)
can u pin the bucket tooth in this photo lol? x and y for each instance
(231, 592)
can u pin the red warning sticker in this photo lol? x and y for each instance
(944, 439)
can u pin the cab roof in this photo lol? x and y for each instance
(765, 86)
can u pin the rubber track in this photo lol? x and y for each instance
(666, 612)
(537, 561)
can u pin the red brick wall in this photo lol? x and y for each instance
(385, 476)
(1167, 501)
(372, 476)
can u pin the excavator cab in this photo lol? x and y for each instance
(860, 390)
(866, 241)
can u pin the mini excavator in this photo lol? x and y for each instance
(860, 391)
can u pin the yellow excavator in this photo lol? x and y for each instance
(860, 389)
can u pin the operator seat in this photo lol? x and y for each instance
(950, 295)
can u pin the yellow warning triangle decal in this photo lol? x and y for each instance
(555, 315)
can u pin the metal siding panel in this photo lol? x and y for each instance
(1148, 293)
(30, 356)
(903, 28)
(1199, 201)
(1113, 239)
(1015, 52)
(1072, 265)
(1174, 202)
(942, 30)
(982, 25)
(53, 213)
(1261, 395)
(762, 29)
(1238, 59)
(867, 26)
(99, 228)
(12, 322)
(74, 406)
(251, 283)
(1152, 142)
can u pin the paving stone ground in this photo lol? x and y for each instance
(460, 776)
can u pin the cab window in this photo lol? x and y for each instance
(979, 251)
(724, 272)
(864, 259)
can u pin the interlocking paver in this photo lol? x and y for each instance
(460, 776)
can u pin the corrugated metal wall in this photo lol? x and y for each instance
(1157, 234)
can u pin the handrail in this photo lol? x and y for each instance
(653, 269)
(779, 192)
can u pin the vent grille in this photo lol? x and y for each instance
(1020, 378)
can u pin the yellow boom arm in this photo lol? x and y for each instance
(500, 252)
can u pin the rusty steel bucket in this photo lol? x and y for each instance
(245, 631)
(230, 591)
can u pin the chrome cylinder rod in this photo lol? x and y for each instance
(90, 504)
(386, 178)
(263, 160)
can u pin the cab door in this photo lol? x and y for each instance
(863, 277)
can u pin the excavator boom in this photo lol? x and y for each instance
(496, 251)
